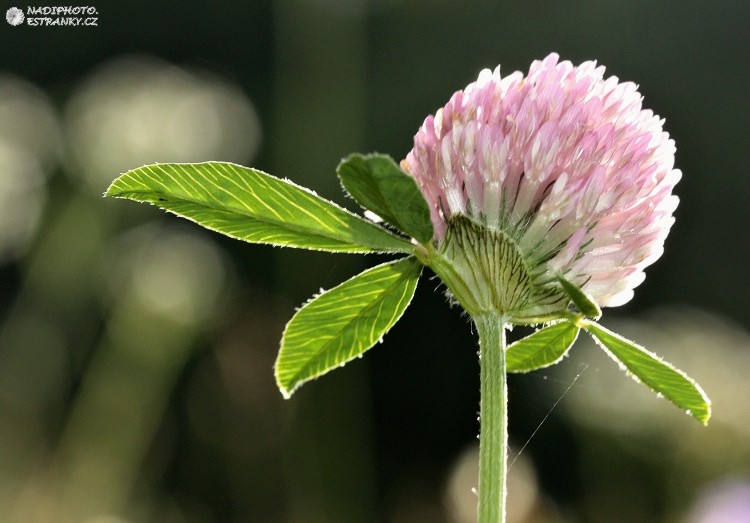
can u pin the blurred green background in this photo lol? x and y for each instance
(136, 349)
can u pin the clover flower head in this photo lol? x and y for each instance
(563, 168)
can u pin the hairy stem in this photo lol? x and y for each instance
(493, 415)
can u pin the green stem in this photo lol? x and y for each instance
(493, 415)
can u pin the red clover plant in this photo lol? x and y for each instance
(536, 199)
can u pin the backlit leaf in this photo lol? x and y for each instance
(651, 370)
(342, 323)
(543, 348)
(251, 205)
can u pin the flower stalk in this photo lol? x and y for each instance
(493, 416)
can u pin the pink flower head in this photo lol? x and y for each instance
(563, 162)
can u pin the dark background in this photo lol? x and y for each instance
(136, 349)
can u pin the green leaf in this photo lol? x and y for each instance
(580, 299)
(342, 323)
(651, 370)
(543, 348)
(251, 205)
(378, 184)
